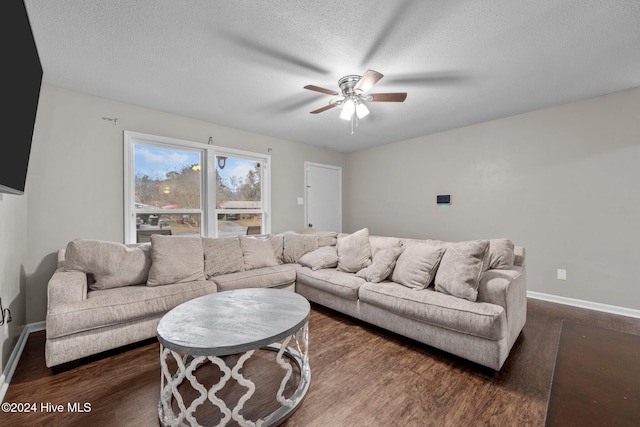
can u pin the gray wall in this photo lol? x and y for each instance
(13, 253)
(564, 182)
(75, 181)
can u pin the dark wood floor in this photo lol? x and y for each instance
(596, 379)
(361, 376)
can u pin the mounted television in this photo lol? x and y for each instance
(22, 72)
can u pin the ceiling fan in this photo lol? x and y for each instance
(353, 95)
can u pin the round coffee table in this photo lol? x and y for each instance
(225, 323)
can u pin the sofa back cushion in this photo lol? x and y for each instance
(354, 251)
(296, 245)
(112, 264)
(175, 259)
(277, 241)
(383, 242)
(461, 267)
(327, 238)
(222, 256)
(257, 252)
(501, 254)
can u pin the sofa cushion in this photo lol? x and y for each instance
(267, 277)
(277, 241)
(501, 254)
(325, 238)
(112, 264)
(323, 257)
(296, 245)
(383, 242)
(417, 265)
(222, 256)
(461, 267)
(330, 280)
(474, 318)
(175, 260)
(257, 252)
(382, 264)
(107, 307)
(354, 251)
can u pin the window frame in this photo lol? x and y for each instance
(208, 211)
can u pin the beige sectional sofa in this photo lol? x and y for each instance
(105, 295)
(466, 298)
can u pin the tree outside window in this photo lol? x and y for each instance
(167, 182)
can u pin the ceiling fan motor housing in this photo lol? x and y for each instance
(347, 83)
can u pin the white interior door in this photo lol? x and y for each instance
(324, 197)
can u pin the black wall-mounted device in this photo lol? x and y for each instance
(443, 199)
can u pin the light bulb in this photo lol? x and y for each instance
(362, 110)
(348, 109)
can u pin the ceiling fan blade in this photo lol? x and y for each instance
(388, 97)
(325, 108)
(369, 78)
(321, 89)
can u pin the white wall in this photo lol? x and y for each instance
(13, 255)
(564, 182)
(75, 180)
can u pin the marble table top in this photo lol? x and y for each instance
(232, 322)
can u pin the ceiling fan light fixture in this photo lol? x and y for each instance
(353, 96)
(348, 108)
(361, 110)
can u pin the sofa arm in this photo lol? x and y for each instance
(508, 289)
(65, 287)
(495, 285)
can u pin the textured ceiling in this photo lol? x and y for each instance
(244, 63)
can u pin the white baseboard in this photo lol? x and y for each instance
(12, 364)
(612, 309)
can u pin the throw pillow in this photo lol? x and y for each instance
(323, 257)
(354, 251)
(112, 264)
(257, 252)
(501, 255)
(175, 259)
(382, 264)
(296, 245)
(417, 265)
(460, 269)
(222, 256)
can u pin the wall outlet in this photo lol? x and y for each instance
(300, 201)
(562, 274)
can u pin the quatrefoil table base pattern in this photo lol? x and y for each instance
(294, 347)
